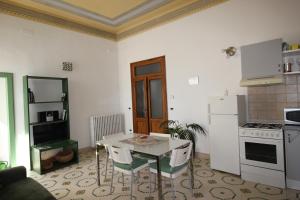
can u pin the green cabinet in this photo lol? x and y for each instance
(47, 121)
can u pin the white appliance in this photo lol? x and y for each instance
(292, 147)
(226, 113)
(262, 153)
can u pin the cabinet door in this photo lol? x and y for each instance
(262, 59)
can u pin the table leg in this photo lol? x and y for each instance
(159, 184)
(98, 165)
(192, 170)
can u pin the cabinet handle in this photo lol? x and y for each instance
(289, 138)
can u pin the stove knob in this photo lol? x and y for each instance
(267, 134)
(272, 135)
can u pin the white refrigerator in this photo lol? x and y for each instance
(226, 114)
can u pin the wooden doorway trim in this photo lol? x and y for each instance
(153, 124)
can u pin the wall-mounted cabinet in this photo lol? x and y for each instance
(262, 59)
(47, 122)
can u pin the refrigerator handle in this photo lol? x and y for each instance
(208, 113)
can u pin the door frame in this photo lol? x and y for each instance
(161, 74)
(11, 117)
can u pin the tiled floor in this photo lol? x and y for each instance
(79, 182)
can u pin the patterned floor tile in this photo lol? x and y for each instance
(79, 182)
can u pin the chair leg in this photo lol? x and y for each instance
(132, 179)
(123, 179)
(149, 182)
(107, 157)
(173, 188)
(138, 177)
(112, 177)
(191, 182)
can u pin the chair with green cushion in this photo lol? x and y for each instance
(174, 166)
(126, 164)
(115, 135)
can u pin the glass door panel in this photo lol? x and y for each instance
(156, 98)
(140, 99)
(261, 152)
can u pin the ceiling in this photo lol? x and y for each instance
(111, 19)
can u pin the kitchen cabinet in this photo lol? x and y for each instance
(262, 59)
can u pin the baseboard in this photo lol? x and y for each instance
(201, 155)
(86, 149)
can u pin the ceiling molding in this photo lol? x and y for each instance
(18, 11)
(39, 16)
(187, 10)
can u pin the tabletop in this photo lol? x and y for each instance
(151, 145)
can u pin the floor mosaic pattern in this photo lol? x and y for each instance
(79, 182)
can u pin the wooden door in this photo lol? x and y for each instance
(149, 95)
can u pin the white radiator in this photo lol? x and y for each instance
(103, 125)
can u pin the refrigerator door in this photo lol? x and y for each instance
(223, 105)
(292, 149)
(224, 143)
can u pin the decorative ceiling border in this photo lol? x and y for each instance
(18, 11)
(15, 10)
(145, 7)
(187, 10)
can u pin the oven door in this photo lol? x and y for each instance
(260, 152)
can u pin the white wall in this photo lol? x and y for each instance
(192, 46)
(30, 48)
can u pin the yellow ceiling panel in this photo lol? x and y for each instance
(32, 5)
(107, 8)
(112, 19)
(168, 8)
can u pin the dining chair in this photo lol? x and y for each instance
(108, 157)
(126, 164)
(174, 166)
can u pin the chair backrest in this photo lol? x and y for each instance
(160, 134)
(120, 155)
(181, 155)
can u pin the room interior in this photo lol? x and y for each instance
(70, 69)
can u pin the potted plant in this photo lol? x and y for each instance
(183, 131)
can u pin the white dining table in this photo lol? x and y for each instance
(157, 150)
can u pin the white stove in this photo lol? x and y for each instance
(262, 153)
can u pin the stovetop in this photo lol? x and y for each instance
(262, 126)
